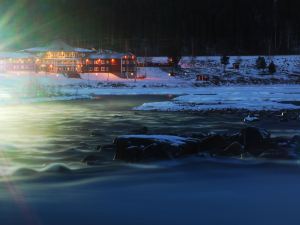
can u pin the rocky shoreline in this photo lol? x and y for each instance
(280, 115)
(250, 142)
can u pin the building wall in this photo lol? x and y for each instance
(60, 62)
(64, 62)
(123, 67)
(17, 64)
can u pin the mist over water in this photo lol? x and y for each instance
(37, 135)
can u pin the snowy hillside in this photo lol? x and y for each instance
(288, 69)
(212, 65)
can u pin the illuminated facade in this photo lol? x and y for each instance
(58, 57)
(123, 65)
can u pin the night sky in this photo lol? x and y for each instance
(155, 26)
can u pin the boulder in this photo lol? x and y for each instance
(197, 135)
(234, 149)
(212, 144)
(296, 139)
(253, 140)
(139, 148)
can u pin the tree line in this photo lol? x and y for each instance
(161, 27)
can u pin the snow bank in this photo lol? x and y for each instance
(252, 98)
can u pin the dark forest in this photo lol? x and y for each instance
(156, 27)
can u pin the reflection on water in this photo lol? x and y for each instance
(36, 135)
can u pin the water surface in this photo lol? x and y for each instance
(38, 134)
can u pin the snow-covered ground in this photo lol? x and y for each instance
(285, 65)
(191, 95)
(275, 97)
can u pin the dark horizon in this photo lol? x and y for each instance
(155, 27)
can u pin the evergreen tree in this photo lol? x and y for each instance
(261, 63)
(225, 61)
(174, 54)
(272, 68)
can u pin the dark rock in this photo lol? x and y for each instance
(296, 139)
(138, 148)
(279, 142)
(212, 143)
(234, 149)
(253, 140)
(198, 135)
(237, 137)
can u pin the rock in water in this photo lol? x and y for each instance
(138, 148)
(253, 140)
(234, 149)
(212, 144)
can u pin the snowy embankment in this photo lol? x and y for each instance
(193, 95)
(253, 98)
(27, 86)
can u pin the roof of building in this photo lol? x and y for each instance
(56, 46)
(15, 55)
(107, 54)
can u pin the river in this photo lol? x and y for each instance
(38, 134)
(187, 191)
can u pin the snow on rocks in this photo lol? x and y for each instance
(136, 148)
(250, 141)
(250, 118)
